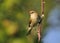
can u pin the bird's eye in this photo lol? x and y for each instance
(32, 12)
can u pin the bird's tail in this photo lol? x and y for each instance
(29, 30)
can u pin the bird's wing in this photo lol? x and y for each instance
(39, 19)
(30, 22)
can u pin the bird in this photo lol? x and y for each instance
(35, 19)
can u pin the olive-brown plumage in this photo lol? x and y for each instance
(35, 19)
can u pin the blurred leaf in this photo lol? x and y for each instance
(9, 3)
(10, 27)
(18, 40)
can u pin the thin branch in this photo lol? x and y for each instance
(40, 26)
(39, 33)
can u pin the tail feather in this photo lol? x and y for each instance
(29, 31)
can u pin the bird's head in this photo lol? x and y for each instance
(32, 12)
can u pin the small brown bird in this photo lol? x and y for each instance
(35, 19)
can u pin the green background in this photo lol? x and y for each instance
(14, 20)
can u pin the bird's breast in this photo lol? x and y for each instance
(33, 18)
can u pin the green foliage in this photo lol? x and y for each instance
(14, 20)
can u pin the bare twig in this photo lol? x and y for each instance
(39, 33)
(40, 26)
